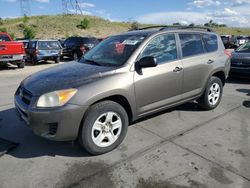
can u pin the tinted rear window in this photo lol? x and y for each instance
(48, 45)
(90, 41)
(211, 42)
(4, 38)
(191, 44)
(71, 41)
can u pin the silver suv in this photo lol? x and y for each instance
(124, 78)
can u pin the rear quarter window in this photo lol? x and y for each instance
(191, 44)
(211, 42)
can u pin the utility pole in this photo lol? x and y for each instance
(25, 7)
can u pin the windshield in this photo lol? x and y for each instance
(114, 51)
(4, 38)
(244, 48)
(48, 45)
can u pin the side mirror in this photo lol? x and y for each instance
(148, 61)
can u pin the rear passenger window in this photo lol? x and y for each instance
(211, 42)
(162, 47)
(191, 44)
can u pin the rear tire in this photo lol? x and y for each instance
(212, 95)
(104, 127)
(33, 61)
(75, 56)
(57, 60)
(21, 65)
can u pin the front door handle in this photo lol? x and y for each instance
(177, 69)
(210, 61)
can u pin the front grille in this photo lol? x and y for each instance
(240, 64)
(25, 95)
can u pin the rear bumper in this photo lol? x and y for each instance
(12, 58)
(59, 124)
(45, 58)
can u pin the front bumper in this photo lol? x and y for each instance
(239, 71)
(59, 124)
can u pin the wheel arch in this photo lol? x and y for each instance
(221, 75)
(122, 100)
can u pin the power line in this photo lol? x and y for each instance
(72, 7)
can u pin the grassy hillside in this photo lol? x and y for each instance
(61, 26)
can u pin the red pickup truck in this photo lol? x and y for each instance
(11, 52)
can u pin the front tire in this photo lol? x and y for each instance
(212, 95)
(104, 127)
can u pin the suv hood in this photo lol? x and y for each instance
(65, 76)
(241, 55)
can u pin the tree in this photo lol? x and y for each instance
(134, 25)
(12, 35)
(177, 24)
(29, 32)
(3, 29)
(25, 18)
(1, 21)
(211, 23)
(84, 24)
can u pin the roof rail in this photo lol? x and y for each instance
(149, 27)
(188, 27)
(166, 27)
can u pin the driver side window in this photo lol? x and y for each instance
(162, 47)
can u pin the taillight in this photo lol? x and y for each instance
(23, 49)
(82, 48)
(229, 54)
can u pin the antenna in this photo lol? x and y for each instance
(72, 7)
(25, 7)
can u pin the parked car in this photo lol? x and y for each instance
(240, 62)
(43, 50)
(229, 41)
(242, 40)
(102, 38)
(75, 47)
(11, 52)
(124, 78)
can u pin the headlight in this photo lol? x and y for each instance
(56, 98)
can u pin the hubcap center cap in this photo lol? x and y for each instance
(107, 128)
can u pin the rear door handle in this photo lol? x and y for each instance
(177, 69)
(210, 61)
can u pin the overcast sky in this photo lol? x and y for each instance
(231, 12)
